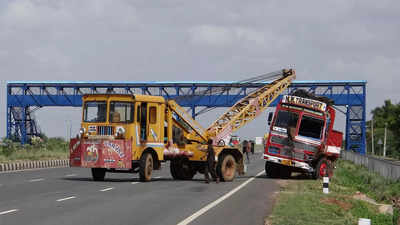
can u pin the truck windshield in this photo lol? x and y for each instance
(121, 112)
(95, 112)
(286, 119)
(311, 127)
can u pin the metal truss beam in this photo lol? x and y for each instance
(23, 96)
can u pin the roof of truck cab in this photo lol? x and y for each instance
(141, 98)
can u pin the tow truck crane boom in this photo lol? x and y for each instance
(249, 107)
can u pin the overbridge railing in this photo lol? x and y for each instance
(24, 97)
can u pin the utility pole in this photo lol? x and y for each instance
(384, 141)
(372, 131)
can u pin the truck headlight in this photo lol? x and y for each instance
(120, 131)
(81, 132)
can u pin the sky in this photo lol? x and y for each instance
(122, 40)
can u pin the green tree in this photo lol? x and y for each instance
(386, 115)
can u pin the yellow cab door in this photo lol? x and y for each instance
(155, 123)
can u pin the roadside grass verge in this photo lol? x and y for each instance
(358, 178)
(301, 202)
(50, 148)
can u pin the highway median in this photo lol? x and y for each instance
(42, 153)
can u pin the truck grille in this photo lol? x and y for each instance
(292, 154)
(105, 130)
(297, 145)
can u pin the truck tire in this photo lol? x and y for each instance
(226, 167)
(181, 169)
(98, 174)
(272, 170)
(185, 169)
(285, 172)
(146, 167)
(172, 169)
(323, 168)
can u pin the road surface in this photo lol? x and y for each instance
(69, 196)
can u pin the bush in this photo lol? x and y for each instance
(40, 149)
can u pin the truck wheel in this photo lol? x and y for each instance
(226, 167)
(323, 168)
(172, 169)
(98, 174)
(185, 169)
(146, 167)
(284, 172)
(272, 170)
(181, 169)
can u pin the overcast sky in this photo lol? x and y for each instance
(121, 40)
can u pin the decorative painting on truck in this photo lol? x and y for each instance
(101, 153)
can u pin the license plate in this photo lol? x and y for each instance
(286, 162)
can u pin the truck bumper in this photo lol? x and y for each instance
(100, 153)
(287, 162)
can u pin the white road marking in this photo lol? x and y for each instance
(63, 199)
(157, 177)
(107, 189)
(70, 175)
(216, 202)
(36, 180)
(8, 211)
(135, 182)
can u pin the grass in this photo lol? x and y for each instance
(302, 201)
(49, 148)
(358, 178)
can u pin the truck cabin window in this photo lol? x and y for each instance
(95, 112)
(311, 127)
(286, 119)
(121, 112)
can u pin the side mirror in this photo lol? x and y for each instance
(270, 114)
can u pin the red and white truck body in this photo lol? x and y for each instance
(302, 138)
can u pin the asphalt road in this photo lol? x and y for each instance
(69, 196)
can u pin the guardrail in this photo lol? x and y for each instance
(386, 168)
(34, 165)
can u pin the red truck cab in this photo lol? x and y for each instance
(302, 138)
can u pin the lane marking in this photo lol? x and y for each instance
(36, 180)
(135, 182)
(216, 202)
(63, 199)
(107, 189)
(71, 175)
(8, 211)
(157, 177)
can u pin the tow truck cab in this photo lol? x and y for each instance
(302, 138)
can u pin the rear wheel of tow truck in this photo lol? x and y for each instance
(185, 169)
(181, 169)
(323, 168)
(226, 167)
(146, 167)
(172, 169)
(98, 174)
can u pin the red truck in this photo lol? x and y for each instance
(301, 137)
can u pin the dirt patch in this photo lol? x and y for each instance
(331, 201)
(283, 183)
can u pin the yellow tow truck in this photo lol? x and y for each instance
(128, 133)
